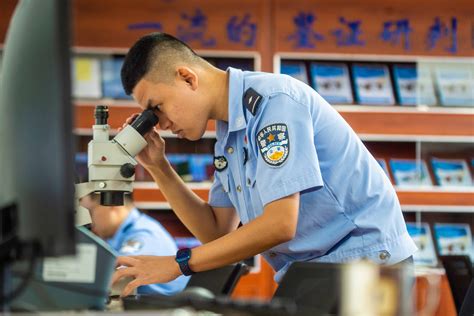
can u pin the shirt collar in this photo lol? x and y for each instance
(116, 240)
(236, 90)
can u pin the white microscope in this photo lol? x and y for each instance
(111, 163)
(82, 281)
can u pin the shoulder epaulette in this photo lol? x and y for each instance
(252, 100)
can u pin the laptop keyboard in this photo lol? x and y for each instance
(222, 304)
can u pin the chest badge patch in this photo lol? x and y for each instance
(131, 246)
(274, 144)
(220, 163)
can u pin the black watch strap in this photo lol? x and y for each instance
(182, 258)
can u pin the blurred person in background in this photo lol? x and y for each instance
(131, 233)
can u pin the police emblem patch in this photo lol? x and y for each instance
(131, 246)
(274, 144)
(220, 163)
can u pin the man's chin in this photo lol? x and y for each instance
(194, 137)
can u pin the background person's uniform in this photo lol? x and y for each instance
(140, 234)
(282, 138)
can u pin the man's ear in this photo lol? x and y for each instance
(188, 76)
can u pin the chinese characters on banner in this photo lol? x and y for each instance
(393, 32)
(441, 31)
(242, 30)
(349, 34)
(304, 35)
(193, 28)
(397, 33)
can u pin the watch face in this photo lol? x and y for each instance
(183, 255)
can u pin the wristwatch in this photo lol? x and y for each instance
(182, 258)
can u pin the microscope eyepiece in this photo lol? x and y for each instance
(145, 122)
(101, 114)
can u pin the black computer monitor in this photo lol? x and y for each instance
(36, 131)
(314, 287)
(460, 273)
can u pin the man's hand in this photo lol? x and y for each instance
(146, 270)
(153, 154)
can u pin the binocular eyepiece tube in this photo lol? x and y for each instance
(131, 137)
(145, 122)
(101, 114)
(142, 124)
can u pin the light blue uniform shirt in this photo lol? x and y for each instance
(140, 234)
(296, 142)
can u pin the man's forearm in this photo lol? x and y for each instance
(276, 225)
(196, 214)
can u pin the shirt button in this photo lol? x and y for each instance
(239, 188)
(384, 255)
(272, 254)
(230, 150)
(249, 182)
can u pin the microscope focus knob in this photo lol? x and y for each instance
(127, 170)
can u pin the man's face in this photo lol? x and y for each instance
(103, 219)
(178, 105)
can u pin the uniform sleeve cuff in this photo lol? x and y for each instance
(219, 199)
(283, 188)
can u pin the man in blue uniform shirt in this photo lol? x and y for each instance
(130, 232)
(287, 166)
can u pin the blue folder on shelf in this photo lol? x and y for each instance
(405, 80)
(111, 81)
(455, 85)
(421, 235)
(332, 82)
(295, 69)
(451, 172)
(372, 84)
(410, 172)
(453, 239)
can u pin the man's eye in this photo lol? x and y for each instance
(157, 107)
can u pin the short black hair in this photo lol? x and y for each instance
(142, 55)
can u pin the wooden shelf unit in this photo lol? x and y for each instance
(371, 123)
(410, 124)
(423, 199)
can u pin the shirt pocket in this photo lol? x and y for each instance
(255, 207)
(250, 174)
(225, 180)
(223, 177)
